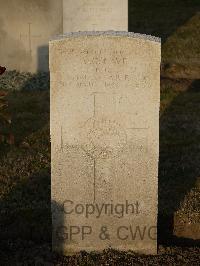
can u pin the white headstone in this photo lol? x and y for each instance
(105, 93)
(98, 15)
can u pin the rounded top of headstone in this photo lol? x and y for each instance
(107, 33)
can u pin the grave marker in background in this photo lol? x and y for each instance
(25, 30)
(105, 93)
(98, 15)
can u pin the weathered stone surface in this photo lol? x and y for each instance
(99, 15)
(105, 92)
(25, 30)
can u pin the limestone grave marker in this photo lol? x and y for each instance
(29, 38)
(105, 94)
(98, 15)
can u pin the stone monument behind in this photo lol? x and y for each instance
(98, 15)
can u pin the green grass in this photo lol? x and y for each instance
(176, 22)
(25, 169)
(179, 148)
(183, 46)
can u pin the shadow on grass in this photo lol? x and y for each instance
(29, 112)
(25, 172)
(159, 17)
(25, 211)
(179, 157)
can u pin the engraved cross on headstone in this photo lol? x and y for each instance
(29, 36)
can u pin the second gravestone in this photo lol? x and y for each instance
(87, 15)
(105, 91)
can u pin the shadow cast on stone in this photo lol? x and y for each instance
(59, 232)
(43, 59)
(179, 159)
